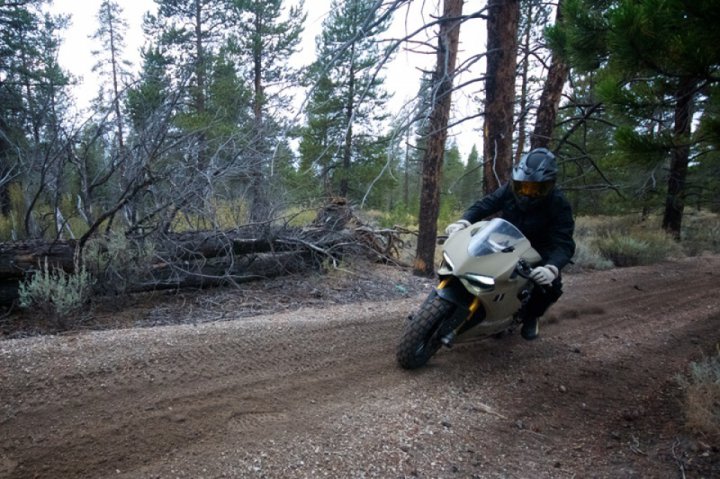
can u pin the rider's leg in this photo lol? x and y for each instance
(540, 300)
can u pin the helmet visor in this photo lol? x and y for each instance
(533, 189)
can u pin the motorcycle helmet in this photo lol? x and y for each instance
(533, 178)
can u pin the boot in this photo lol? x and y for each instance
(530, 328)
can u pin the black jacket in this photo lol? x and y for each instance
(549, 225)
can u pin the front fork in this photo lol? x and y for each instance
(449, 338)
(465, 315)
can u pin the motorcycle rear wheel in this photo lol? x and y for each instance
(419, 340)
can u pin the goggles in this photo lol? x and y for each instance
(533, 189)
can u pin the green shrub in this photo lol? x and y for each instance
(637, 248)
(57, 293)
(7, 227)
(701, 233)
(599, 226)
(11, 225)
(299, 217)
(448, 214)
(623, 250)
(702, 396)
(118, 262)
(399, 217)
(588, 256)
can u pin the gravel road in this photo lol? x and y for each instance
(315, 392)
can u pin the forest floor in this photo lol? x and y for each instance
(296, 377)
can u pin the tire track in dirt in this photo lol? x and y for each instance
(147, 407)
(321, 387)
(599, 388)
(654, 296)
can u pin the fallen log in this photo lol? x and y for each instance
(179, 276)
(17, 259)
(20, 257)
(209, 258)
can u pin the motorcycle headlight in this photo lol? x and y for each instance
(446, 258)
(480, 281)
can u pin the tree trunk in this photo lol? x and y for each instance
(17, 259)
(5, 207)
(116, 89)
(200, 100)
(502, 25)
(260, 210)
(675, 200)
(5, 147)
(200, 65)
(433, 157)
(130, 209)
(550, 99)
(349, 113)
(406, 176)
(524, 74)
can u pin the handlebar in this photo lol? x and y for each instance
(523, 269)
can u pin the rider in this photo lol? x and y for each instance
(541, 212)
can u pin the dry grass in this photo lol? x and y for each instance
(643, 238)
(587, 256)
(703, 409)
(701, 233)
(702, 397)
(638, 248)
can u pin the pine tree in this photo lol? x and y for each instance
(557, 75)
(191, 33)
(33, 103)
(502, 44)
(265, 43)
(346, 103)
(470, 187)
(586, 143)
(319, 146)
(415, 140)
(152, 90)
(534, 15)
(207, 102)
(452, 174)
(110, 63)
(656, 58)
(448, 39)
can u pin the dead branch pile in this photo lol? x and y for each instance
(209, 258)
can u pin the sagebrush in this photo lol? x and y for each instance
(638, 248)
(55, 292)
(118, 262)
(702, 396)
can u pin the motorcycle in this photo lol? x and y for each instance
(483, 283)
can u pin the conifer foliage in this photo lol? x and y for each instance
(343, 135)
(657, 67)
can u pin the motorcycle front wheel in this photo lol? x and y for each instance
(419, 340)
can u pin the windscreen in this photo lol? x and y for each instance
(497, 236)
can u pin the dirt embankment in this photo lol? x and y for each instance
(315, 392)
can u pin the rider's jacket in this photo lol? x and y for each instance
(549, 224)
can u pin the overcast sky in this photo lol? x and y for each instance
(402, 77)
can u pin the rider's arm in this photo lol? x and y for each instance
(487, 205)
(563, 245)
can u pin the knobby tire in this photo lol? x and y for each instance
(419, 341)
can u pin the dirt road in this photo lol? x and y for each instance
(316, 393)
